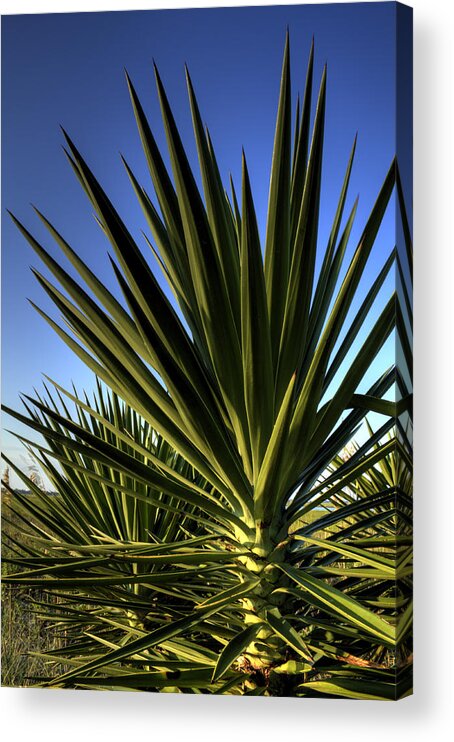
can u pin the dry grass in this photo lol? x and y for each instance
(22, 632)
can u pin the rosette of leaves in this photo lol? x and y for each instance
(207, 535)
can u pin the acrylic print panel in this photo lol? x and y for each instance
(207, 487)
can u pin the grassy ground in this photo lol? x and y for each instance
(22, 632)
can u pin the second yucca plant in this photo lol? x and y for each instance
(210, 536)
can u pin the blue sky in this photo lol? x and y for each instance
(68, 69)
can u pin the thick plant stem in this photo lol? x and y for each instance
(267, 650)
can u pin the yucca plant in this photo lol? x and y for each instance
(206, 535)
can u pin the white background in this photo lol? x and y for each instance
(73, 715)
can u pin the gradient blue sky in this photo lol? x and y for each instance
(68, 69)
